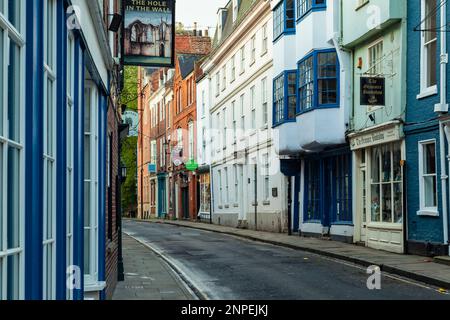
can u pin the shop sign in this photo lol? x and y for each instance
(375, 138)
(373, 91)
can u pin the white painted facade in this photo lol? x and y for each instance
(240, 135)
(318, 129)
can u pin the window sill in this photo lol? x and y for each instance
(285, 33)
(94, 286)
(428, 212)
(334, 106)
(241, 73)
(254, 203)
(362, 5)
(236, 205)
(264, 53)
(283, 122)
(431, 91)
(220, 207)
(252, 63)
(266, 203)
(264, 127)
(252, 133)
(227, 206)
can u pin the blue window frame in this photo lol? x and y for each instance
(284, 97)
(318, 84)
(284, 19)
(306, 6)
(342, 184)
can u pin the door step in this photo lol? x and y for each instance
(442, 260)
(360, 243)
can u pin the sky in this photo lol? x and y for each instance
(204, 12)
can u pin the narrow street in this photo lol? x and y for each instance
(225, 267)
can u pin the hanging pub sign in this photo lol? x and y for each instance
(373, 91)
(149, 33)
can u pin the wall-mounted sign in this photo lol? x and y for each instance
(149, 33)
(375, 138)
(177, 156)
(191, 165)
(373, 91)
(152, 168)
(132, 119)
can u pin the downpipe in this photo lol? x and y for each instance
(444, 132)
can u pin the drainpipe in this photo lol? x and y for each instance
(443, 108)
(445, 130)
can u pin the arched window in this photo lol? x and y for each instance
(134, 33)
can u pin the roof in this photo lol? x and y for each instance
(229, 26)
(187, 63)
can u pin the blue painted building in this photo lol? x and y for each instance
(426, 130)
(56, 71)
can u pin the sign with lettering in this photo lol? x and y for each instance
(149, 33)
(152, 168)
(375, 138)
(373, 91)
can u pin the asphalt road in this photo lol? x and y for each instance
(226, 267)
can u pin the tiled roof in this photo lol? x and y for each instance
(187, 63)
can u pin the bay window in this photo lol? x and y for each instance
(284, 97)
(428, 178)
(318, 84)
(284, 18)
(12, 83)
(306, 6)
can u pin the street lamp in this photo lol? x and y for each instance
(123, 170)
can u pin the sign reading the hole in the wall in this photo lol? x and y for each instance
(373, 91)
(149, 33)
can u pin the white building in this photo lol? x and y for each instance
(247, 185)
(311, 114)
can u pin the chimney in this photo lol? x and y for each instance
(200, 33)
(206, 32)
(195, 29)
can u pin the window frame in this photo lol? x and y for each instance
(315, 82)
(424, 210)
(282, 29)
(17, 34)
(285, 99)
(426, 90)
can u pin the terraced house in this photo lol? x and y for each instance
(59, 129)
(311, 114)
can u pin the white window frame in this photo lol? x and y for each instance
(233, 69)
(425, 90)
(264, 102)
(227, 186)
(49, 155)
(191, 140)
(70, 154)
(242, 51)
(253, 49)
(253, 107)
(10, 33)
(426, 211)
(91, 279)
(265, 40)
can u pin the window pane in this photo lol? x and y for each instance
(87, 251)
(87, 157)
(14, 92)
(14, 12)
(387, 203)
(13, 270)
(50, 193)
(13, 199)
(398, 203)
(375, 203)
(386, 163)
(87, 202)
(1, 80)
(429, 158)
(87, 110)
(431, 63)
(375, 165)
(430, 191)
(430, 20)
(397, 157)
(1, 259)
(49, 130)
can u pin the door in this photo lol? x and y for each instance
(185, 202)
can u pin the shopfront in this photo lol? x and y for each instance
(378, 169)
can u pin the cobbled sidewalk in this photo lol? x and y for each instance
(147, 277)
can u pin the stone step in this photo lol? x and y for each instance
(442, 260)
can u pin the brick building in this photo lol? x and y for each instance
(156, 193)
